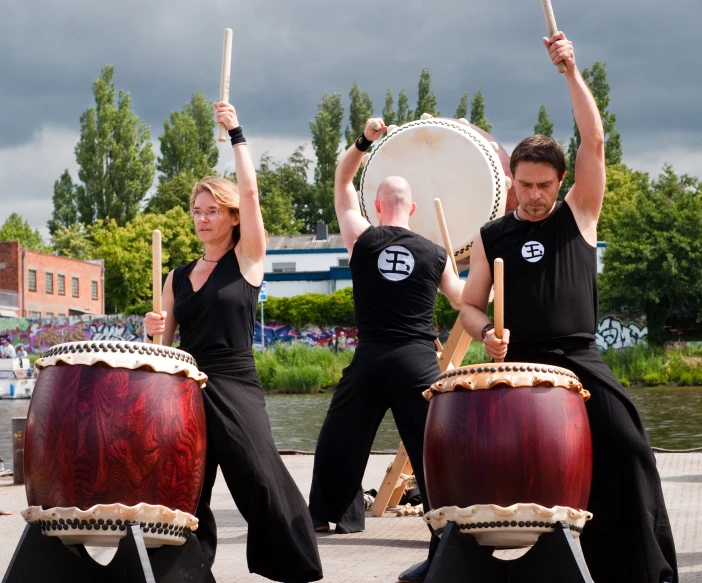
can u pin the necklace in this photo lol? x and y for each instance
(216, 260)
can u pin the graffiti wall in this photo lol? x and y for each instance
(38, 335)
(615, 333)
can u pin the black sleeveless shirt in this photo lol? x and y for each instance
(218, 316)
(550, 276)
(396, 275)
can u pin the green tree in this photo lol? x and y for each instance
(65, 211)
(15, 228)
(544, 125)
(187, 143)
(404, 113)
(326, 139)
(174, 192)
(462, 109)
(596, 79)
(623, 186)
(477, 112)
(360, 111)
(389, 112)
(653, 259)
(426, 99)
(116, 163)
(277, 204)
(73, 241)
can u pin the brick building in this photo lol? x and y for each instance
(34, 285)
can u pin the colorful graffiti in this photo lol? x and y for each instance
(613, 333)
(38, 335)
(311, 334)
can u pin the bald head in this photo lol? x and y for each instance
(395, 195)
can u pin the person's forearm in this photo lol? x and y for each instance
(474, 320)
(348, 166)
(585, 111)
(245, 170)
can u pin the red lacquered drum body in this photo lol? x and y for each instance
(510, 434)
(116, 423)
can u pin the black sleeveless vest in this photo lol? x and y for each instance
(550, 276)
(218, 316)
(396, 275)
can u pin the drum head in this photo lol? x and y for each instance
(445, 159)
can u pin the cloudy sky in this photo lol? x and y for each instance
(287, 53)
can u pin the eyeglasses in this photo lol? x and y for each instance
(198, 214)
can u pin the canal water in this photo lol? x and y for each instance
(672, 415)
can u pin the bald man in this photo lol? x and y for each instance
(395, 275)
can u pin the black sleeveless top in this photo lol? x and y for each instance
(550, 276)
(396, 275)
(218, 316)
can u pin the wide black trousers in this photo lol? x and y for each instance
(629, 538)
(380, 377)
(281, 543)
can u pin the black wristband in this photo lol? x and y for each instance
(487, 329)
(363, 143)
(237, 136)
(150, 337)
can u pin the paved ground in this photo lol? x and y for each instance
(390, 544)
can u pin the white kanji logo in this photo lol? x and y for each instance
(395, 263)
(533, 251)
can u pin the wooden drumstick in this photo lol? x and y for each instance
(552, 28)
(224, 82)
(499, 299)
(156, 269)
(445, 233)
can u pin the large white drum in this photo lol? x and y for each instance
(446, 159)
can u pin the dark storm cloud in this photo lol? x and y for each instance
(288, 52)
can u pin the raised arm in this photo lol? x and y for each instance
(586, 196)
(253, 236)
(451, 286)
(348, 211)
(474, 302)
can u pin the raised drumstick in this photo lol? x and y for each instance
(445, 233)
(499, 299)
(552, 28)
(156, 268)
(224, 82)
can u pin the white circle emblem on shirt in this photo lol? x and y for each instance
(395, 263)
(533, 251)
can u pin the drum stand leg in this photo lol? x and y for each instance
(555, 558)
(44, 558)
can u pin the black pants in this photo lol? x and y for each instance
(629, 537)
(380, 376)
(281, 544)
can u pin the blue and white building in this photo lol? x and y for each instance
(300, 264)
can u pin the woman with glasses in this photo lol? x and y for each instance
(213, 300)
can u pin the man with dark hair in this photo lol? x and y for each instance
(395, 275)
(550, 308)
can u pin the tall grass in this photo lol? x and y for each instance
(298, 368)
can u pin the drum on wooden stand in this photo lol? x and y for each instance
(115, 435)
(507, 452)
(447, 159)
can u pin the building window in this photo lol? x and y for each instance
(95, 290)
(49, 283)
(62, 285)
(62, 315)
(344, 262)
(35, 314)
(74, 286)
(287, 267)
(32, 280)
(49, 314)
